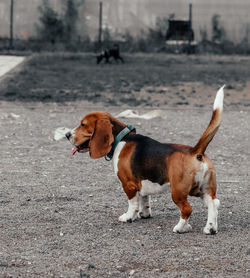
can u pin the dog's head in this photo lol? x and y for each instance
(94, 134)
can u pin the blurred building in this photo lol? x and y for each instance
(133, 16)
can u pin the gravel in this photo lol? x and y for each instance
(59, 214)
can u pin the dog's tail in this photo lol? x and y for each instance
(213, 126)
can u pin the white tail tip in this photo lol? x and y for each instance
(218, 102)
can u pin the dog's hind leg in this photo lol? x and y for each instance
(212, 203)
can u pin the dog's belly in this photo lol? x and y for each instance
(149, 188)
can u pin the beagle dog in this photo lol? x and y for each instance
(145, 166)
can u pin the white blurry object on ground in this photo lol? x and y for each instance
(134, 114)
(60, 133)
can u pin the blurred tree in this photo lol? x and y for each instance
(203, 33)
(54, 27)
(51, 28)
(70, 18)
(158, 34)
(162, 26)
(218, 32)
(247, 33)
(107, 38)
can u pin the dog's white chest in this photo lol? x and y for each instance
(117, 152)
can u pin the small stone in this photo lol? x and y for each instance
(131, 272)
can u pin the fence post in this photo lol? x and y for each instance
(11, 23)
(100, 23)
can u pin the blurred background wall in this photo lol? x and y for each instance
(133, 16)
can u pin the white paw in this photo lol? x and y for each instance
(182, 228)
(123, 218)
(145, 213)
(210, 229)
(126, 217)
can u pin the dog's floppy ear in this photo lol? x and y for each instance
(102, 139)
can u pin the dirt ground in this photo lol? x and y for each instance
(59, 214)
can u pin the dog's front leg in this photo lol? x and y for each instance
(133, 203)
(133, 210)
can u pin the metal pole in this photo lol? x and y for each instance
(100, 23)
(11, 23)
(190, 15)
(190, 29)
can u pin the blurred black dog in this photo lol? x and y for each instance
(110, 53)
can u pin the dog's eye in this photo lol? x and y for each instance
(82, 124)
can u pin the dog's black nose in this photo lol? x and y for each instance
(68, 135)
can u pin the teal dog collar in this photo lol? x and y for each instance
(118, 138)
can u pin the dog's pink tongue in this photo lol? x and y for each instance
(74, 150)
